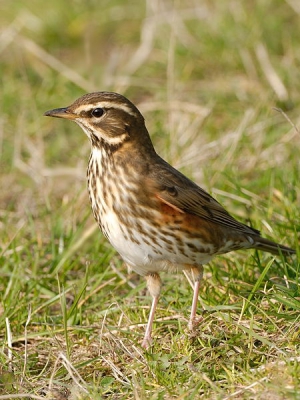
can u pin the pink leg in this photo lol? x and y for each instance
(197, 273)
(192, 319)
(154, 286)
(148, 333)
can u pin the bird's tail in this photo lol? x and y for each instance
(272, 247)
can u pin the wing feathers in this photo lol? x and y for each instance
(177, 191)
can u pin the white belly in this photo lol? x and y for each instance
(143, 257)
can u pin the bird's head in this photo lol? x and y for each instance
(108, 119)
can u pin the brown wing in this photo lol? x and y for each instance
(175, 189)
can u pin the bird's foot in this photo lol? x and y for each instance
(194, 322)
(147, 341)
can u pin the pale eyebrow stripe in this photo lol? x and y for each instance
(108, 104)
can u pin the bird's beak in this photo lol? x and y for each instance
(61, 113)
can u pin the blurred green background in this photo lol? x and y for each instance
(218, 83)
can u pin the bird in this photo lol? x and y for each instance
(155, 217)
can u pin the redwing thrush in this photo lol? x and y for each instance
(154, 216)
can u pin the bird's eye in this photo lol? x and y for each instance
(97, 112)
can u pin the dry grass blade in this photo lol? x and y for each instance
(26, 342)
(75, 376)
(118, 374)
(54, 63)
(287, 118)
(246, 388)
(270, 73)
(147, 34)
(10, 33)
(9, 345)
(294, 5)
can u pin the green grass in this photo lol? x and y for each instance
(207, 78)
